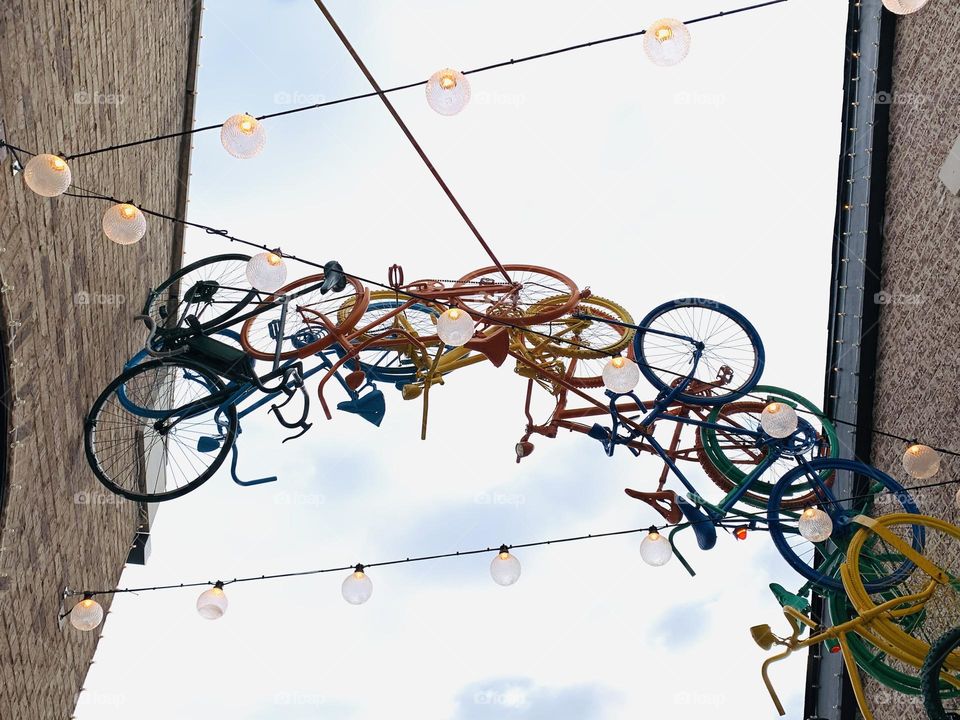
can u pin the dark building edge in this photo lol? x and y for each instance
(862, 27)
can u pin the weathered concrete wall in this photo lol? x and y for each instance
(75, 75)
(918, 364)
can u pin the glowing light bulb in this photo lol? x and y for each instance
(505, 568)
(655, 549)
(448, 91)
(87, 614)
(779, 420)
(47, 175)
(455, 327)
(815, 525)
(124, 224)
(243, 136)
(921, 461)
(212, 603)
(666, 42)
(621, 374)
(904, 7)
(357, 587)
(266, 272)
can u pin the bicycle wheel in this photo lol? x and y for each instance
(530, 285)
(937, 706)
(305, 333)
(870, 555)
(591, 342)
(885, 669)
(213, 290)
(820, 562)
(732, 358)
(131, 457)
(728, 458)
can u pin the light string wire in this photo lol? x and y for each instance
(420, 83)
(737, 519)
(93, 195)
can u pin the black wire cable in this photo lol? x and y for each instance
(738, 518)
(420, 83)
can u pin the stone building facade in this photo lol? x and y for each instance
(917, 376)
(76, 76)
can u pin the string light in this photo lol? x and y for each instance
(667, 42)
(621, 374)
(654, 537)
(212, 604)
(504, 568)
(921, 461)
(87, 614)
(357, 587)
(267, 271)
(448, 91)
(455, 327)
(779, 420)
(815, 525)
(243, 136)
(655, 549)
(47, 175)
(124, 224)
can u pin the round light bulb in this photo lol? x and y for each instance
(656, 549)
(448, 91)
(86, 615)
(815, 525)
(904, 7)
(455, 327)
(47, 175)
(621, 374)
(666, 42)
(212, 603)
(921, 461)
(779, 420)
(266, 272)
(505, 568)
(124, 224)
(243, 136)
(357, 587)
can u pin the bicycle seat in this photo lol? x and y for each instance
(702, 524)
(333, 278)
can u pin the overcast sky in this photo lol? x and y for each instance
(715, 178)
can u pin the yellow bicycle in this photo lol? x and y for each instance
(926, 601)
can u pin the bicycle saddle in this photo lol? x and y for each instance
(333, 278)
(701, 523)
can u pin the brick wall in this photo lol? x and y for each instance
(918, 373)
(75, 75)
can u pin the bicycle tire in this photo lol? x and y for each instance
(532, 282)
(930, 685)
(106, 476)
(236, 271)
(652, 354)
